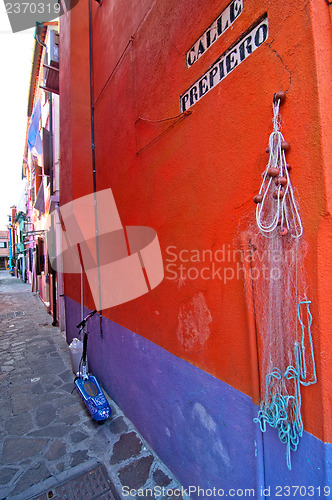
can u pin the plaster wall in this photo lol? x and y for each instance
(192, 178)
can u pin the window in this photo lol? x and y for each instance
(3, 244)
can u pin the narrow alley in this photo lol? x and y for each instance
(50, 446)
(166, 185)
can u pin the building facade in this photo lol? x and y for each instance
(4, 250)
(175, 120)
(30, 222)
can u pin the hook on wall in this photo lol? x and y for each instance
(281, 95)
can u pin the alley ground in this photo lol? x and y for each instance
(50, 447)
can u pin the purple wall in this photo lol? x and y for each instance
(199, 426)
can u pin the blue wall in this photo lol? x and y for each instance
(199, 426)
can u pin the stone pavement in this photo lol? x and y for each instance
(47, 436)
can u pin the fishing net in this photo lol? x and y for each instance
(280, 296)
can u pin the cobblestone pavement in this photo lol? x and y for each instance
(47, 435)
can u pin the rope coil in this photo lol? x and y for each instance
(284, 412)
(284, 319)
(284, 210)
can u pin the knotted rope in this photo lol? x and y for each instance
(276, 187)
(279, 307)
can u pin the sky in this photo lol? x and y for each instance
(15, 63)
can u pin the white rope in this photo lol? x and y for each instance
(283, 210)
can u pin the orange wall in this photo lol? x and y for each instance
(193, 179)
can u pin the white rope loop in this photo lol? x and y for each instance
(283, 210)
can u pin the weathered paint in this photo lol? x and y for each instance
(192, 178)
(195, 422)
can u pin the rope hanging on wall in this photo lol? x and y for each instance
(282, 308)
(276, 182)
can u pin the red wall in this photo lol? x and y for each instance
(76, 177)
(193, 179)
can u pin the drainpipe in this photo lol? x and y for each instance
(94, 172)
(10, 242)
(53, 272)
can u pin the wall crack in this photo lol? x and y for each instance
(284, 65)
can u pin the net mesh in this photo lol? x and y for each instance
(282, 309)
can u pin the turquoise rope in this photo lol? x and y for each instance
(301, 352)
(284, 412)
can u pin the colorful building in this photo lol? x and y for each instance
(12, 239)
(41, 171)
(20, 247)
(4, 250)
(169, 104)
